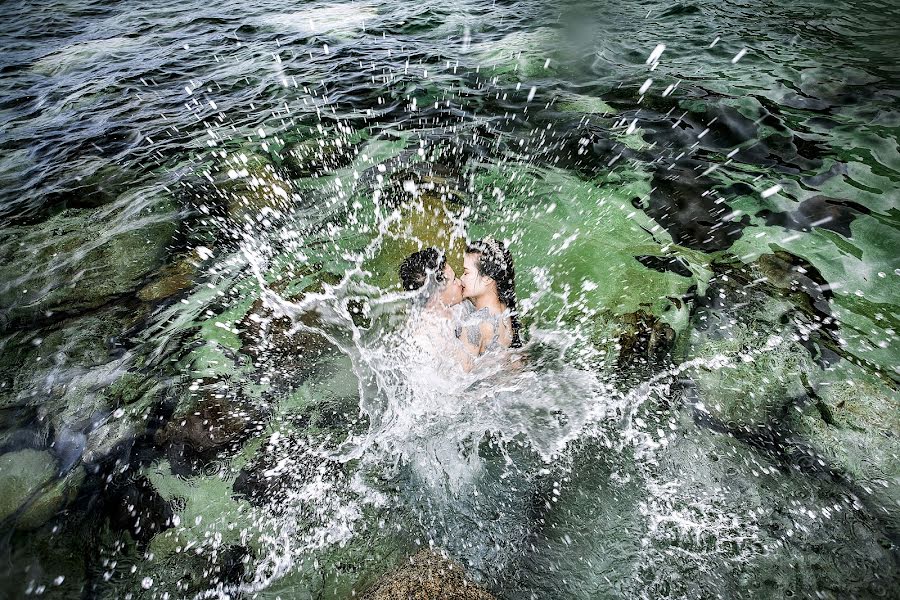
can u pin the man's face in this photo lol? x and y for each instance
(451, 291)
(473, 284)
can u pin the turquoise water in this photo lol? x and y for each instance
(204, 389)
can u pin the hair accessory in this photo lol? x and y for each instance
(496, 250)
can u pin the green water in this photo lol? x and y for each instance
(707, 271)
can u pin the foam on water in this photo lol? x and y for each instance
(306, 152)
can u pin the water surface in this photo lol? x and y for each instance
(205, 390)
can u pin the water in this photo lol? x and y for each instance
(206, 386)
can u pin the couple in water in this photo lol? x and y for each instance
(463, 319)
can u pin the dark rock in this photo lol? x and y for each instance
(682, 203)
(644, 337)
(265, 335)
(427, 576)
(99, 184)
(136, 507)
(663, 264)
(221, 421)
(62, 381)
(31, 493)
(272, 340)
(283, 465)
(828, 213)
(230, 565)
(52, 499)
(800, 279)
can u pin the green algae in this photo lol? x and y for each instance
(522, 54)
(589, 105)
(547, 215)
(862, 280)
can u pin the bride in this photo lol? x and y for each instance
(489, 285)
(452, 331)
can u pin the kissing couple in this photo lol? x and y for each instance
(462, 320)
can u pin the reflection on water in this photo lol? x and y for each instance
(208, 387)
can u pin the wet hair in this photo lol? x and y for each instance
(415, 268)
(495, 261)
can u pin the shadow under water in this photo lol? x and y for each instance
(210, 381)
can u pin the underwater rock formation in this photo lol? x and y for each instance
(220, 419)
(427, 576)
(22, 475)
(644, 337)
(787, 386)
(76, 261)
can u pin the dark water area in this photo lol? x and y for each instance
(701, 199)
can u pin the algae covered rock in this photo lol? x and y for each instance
(770, 368)
(22, 475)
(65, 378)
(729, 520)
(171, 280)
(753, 333)
(51, 500)
(79, 260)
(644, 337)
(427, 576)
(853, 422)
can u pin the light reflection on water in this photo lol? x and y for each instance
(157, 156)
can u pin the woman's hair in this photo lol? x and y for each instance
(415, 268)
(495, 261)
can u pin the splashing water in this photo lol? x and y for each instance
(213, 387)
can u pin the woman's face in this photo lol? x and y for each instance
(473, 283)
(451, 292)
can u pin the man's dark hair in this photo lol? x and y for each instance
(415, 268)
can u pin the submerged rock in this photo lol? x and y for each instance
(22, 475)
(66, 381)
(221, 420)
(138, 508)
(744, 336)
(771, 372)
(852, 420)
(171, 280)
(266, 336)
(272, 340)
(829, 213)
(97, 183)
(731, 522)
(78, 260)
(51, 500)
(427, 576)
(681, 202)
(247, 189)
(313, 158)
(644, 337)
(272, 478)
